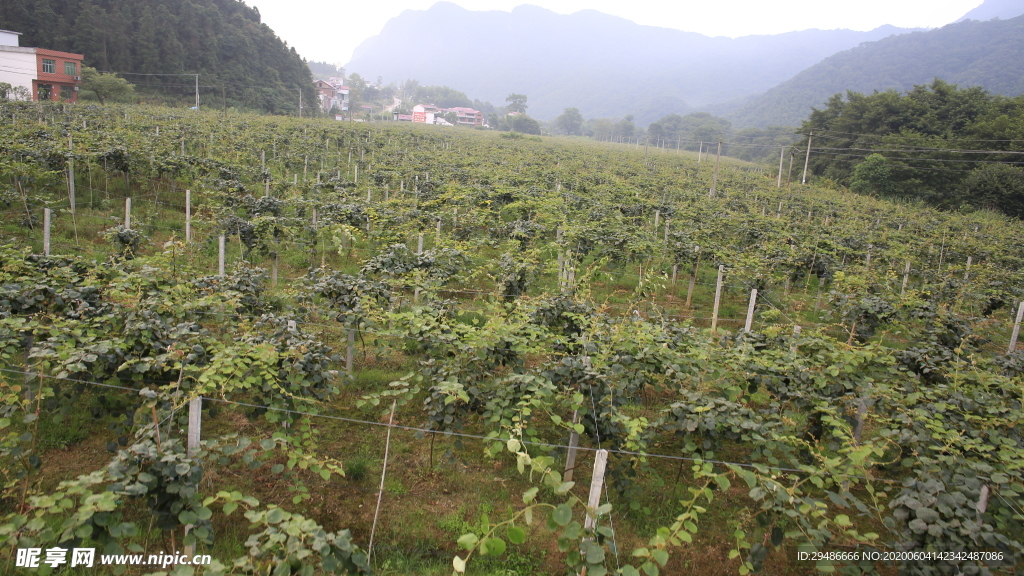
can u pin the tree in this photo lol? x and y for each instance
(105, 86)
(872, 176)
(570, 122)
(516, 103)
(525, 124)
(14, 93)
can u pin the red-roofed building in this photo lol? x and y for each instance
(468, 116)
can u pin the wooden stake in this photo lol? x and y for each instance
(967, 271)
(128, 213)
(750, 310)
(718, 299)
(220, 255)
(1016, 329)
(383, 474)
(596, 487)
(906, 277)
(350, 351)
(570, 456)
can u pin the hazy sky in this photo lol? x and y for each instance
(330, 30)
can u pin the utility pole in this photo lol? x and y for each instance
(714, 179)
(807, 159)
(782, 154)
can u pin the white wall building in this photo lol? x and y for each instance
(17, 65)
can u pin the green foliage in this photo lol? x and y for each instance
(106, 86)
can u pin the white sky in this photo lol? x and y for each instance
(329, 31)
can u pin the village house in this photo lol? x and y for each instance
(44, 74)
(332, 94)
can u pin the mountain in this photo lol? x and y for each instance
(968, 53)
(990, 9)
(604, 65)
(223, 40)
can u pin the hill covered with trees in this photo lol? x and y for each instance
(240, 60)
(955, 148)
(969, 53)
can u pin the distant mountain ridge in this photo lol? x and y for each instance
(604, 65)
(990, 9)
(968, 53)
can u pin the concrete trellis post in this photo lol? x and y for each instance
(188, 215)
(46, 231)
(750, 310)
(718, 299)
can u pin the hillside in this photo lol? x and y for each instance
(223, 40)
(969, 53)
(601, 64)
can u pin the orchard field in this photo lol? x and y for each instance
(418, 347)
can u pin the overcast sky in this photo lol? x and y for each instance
(330, 30)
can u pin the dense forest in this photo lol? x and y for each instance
(241, 61)
(970, 53)
(955, 148)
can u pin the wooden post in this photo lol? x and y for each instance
(437, 239)
(718, 299)
(273, 267)
(220, 255)
(71, 178)
(419, 245)
(46, 231)
(188, 215)
(570, 456)
(305, 167)
(967, 271)
(1016, 329)
(128, 213)
(906, 277)
(369, 196)
(675, 272)
(596, 487)
(782, 156)
(383, 474)
(657, 218)
(355, 179)
(714, 179)
(666, 232)
(693, 282)
(750, 310)
(350, 351)
(807, 159)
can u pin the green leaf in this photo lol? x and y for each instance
(650, 568)
(660, 556)
(562, 514)
(529, 495)
(230, 507)
(188, 517)
(629, 570)
(843, 520)
(495, 546)
(723, 482)
(467, 541)
(516, 535)
(564, 487)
